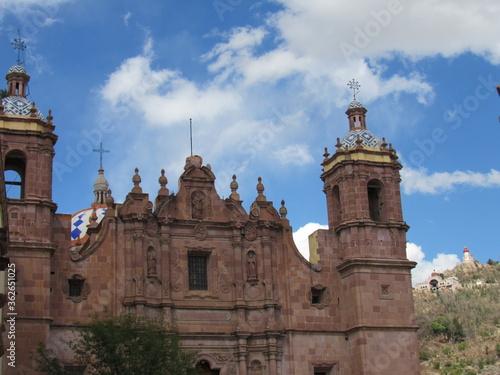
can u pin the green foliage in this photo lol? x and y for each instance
(423, 355)
(462, 346)
(446, 350)
(3, 93)
(47, 362)
(497, 349)
(470, 372)
(436, 365)
(124, 345)
(491, 262)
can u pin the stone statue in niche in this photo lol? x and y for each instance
(151, 262)
(198, 205)
(251, 266)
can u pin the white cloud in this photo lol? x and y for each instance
(126, 18)
(301, 237)
(421, 181)
(295, 154)
(424, 268)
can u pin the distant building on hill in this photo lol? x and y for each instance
(437, 281)
(467, 256)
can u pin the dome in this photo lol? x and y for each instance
(19, 106)
(81, 219)
(101, 184)
(355, 104)
(17, 69)
(368, 139)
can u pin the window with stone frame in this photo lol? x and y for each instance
(76, 288)
(319, 296)
(323, 369)
(375, 200)
(198, 271)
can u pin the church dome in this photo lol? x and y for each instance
(81, 219)
(368, 139)
(19, 106)
(355, 104)
(17, 69)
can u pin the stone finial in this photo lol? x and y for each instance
(283, 210)
(33, 110)
(193, 161)
(109, 199)
(93, 219)
(260, 190)
(50, 117)
(163, 182)
(338, 145)
(326, 154)
(136, 179)
(383, 144)
(234, 189)
(359, 142)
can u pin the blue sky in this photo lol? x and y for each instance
(266, 86)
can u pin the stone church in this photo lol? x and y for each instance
(231, 280)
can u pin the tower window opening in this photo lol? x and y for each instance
(336, 209)
(75, 286)
(375, 200)
(15, 167)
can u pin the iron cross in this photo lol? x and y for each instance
(101, 151)
(354, 86)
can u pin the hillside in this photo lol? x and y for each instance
(460, 331)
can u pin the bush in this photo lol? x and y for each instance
(462, 346)
(436, 365)
(446, 351)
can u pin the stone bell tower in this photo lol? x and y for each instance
(361, 182)
(27, 147)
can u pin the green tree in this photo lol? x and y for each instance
(125, 345)
(3, 93)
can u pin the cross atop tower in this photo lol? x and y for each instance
(354, 86)
(101, 151)
(20, 46)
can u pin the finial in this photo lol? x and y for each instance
(163, 182)
(384, 143)
(33, 110)
(49, 117)
(234, 189)
(359, 142)
(354, 86)
(20, 46)
(136, 179)
(101, 151)
(338, 145)
(260, 190)
(283, 210)
(326, 154)
(109, 199)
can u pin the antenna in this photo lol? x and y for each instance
(20, 46)
(354, 86)
(191, 134)
(101, 151)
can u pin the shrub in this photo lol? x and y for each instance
(436, 365)
(462, 346)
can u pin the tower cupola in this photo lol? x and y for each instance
(101, 187)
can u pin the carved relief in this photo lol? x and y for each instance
(139, 281)
(251, 267)
(177, 274)
(153, 287)
(200, 232)
(253, 292)
(254, 211)
(255, 368)
(151, 261)
(198, 205)
(250, 232)
(151, 227)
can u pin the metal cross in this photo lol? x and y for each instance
(354, 86)
(101, 151)
(20, 46)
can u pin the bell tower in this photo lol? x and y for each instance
(361, 182)
(27, 149)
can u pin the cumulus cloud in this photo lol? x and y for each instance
(301, 237)
(295, 154)
(424, 268)
(422, 181)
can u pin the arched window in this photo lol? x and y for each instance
(15, 169)
(376, 200)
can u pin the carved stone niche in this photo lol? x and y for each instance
(76, 289)
(319, 296)
(251, 266)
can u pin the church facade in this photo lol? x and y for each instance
(230, 280)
